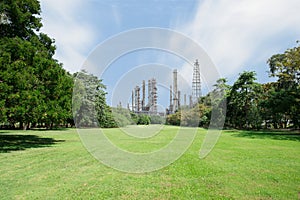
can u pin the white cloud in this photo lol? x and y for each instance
(72, 37)
(116, 14)
(235, 33)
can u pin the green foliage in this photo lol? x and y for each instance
(19, 18)
(243, 100)
(157, 119)
(89, 104)
(143, 120)
(35, 89)
(140, 119)
(122, 116)
(174, 119)
(108, 119)
(190, 117)
(286, 92)
(217, 103)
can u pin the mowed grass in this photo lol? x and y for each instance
(243, 165)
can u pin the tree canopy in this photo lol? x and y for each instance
(251, 105)
(35, 89)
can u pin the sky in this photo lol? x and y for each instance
(236, 35)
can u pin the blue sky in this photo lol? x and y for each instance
(237, 35)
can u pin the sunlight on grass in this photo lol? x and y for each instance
(240, 166)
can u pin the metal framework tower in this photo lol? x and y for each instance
(196, 84)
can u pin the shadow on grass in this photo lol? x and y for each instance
(53, 129)
(10, 143)
(275, 135)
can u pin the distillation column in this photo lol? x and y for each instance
(154, 96)
(143, 95)
(132, 103)
(178, 99)
(171, 100)
(137, 99)
(175, 92)
(149, 94)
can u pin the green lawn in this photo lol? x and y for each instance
(243, 165)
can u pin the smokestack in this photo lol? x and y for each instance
(137, 99)
(175, 92)
(178, 99)
(184, 99)
(191, 101)
(144, 95)
(132, 103)
(154, 96)
(171, 100)
(149, 93)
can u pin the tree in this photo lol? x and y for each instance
(174, 119)
(243, 101)
(34, 86)
(157, 119)
(89, 103)
(19, 18)
(122, 116)
(286, 67)
(218, 98)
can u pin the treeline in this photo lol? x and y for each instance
(35, 90)
(90, 108)
(252, 105)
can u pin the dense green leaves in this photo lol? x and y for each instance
(19, 18)
(89, 104)
(286, 91)
(251, 105)
(35, 89)
(242, 110)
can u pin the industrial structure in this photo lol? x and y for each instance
(196, 84)
(174, 95)
(139, 105)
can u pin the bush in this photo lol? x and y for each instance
(122, 117)
(143, 120)
(156, 119)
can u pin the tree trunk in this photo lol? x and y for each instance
(25, 126)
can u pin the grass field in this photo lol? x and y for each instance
(243, 165)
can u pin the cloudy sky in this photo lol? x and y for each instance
(236, 35)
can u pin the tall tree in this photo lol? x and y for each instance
(219, 103)
(89, 103)
(36, 89)
(243, 101)
(286, 67)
